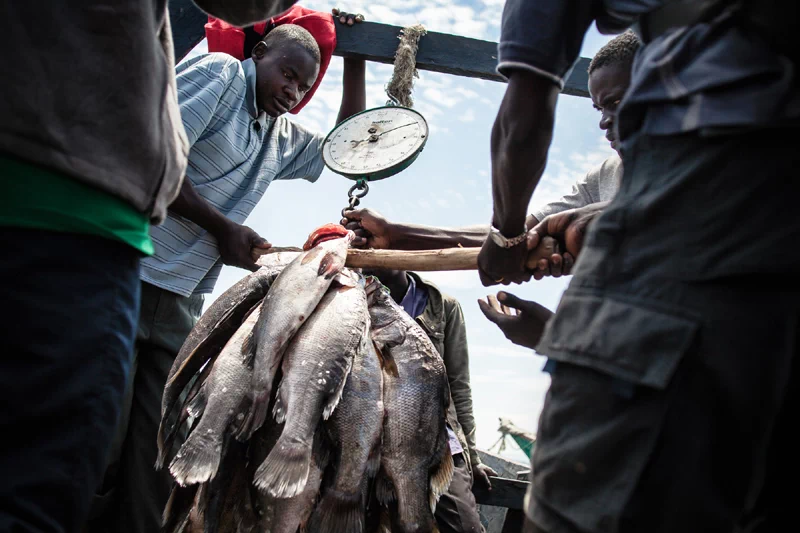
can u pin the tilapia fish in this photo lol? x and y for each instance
(315, 368)
(354, 431)
(416, 465)
(289, 303)
(224, 400)
(209, 335)
(285, 515)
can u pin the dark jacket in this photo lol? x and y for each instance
(88, 90)
(443, 321)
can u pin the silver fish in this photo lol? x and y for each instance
(214, 328)
(224, 400)
(290, 302)
(355, 431)
(315, 369)
(416, 465)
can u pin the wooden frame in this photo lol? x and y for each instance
(438, 52)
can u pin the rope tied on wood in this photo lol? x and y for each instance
(405, 65)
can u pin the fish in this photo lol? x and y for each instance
(315, 369)
(286, 515)
(229, 508)
(214, 328)
(289, 303)
(416, 464)
(223, 401)
(354, 431)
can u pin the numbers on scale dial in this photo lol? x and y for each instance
(350, 148)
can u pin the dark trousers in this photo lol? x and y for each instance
(69, 308)
(133, 494)
(457, 510)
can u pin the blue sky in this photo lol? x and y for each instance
(449, 185)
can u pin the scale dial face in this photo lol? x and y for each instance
(376, 143)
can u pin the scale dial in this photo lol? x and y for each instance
(376, 143)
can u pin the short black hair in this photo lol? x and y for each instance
(292, 33)
(618, 51)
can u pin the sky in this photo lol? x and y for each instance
(448, 185)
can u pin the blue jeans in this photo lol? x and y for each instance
(69, 310)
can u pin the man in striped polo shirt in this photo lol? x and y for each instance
(240, 142)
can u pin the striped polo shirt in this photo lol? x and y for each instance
(236, 152)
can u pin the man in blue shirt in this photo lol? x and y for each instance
(673, 353)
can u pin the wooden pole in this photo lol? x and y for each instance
(418, 260)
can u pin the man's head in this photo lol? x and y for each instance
(609, 77)
(287, 64)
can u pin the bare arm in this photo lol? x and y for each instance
(354, 96)
(244, 12)
(235, 241)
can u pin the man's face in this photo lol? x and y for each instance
(607, 85)
(284, 74)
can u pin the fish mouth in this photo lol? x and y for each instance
(328, 232)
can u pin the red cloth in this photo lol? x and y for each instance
(222, 37)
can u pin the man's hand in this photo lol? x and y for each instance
(371, 228)
(236, 243)
(568, 227)
(481, 472)
(502, 265)
(523, 325)
(347, 18)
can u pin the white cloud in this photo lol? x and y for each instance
(455, 279)
(467, 116)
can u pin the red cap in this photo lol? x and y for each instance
(223, 37)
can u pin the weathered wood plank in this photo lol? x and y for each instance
(508, 493)
(438, 52)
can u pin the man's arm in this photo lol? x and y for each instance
(521, 137)
(354, 95)
(244, 12)
(234, 241)
(373, 230)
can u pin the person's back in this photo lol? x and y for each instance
(92, 151)
(677, 311)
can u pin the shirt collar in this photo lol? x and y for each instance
(249, 67)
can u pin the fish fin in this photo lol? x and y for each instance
(338, 512)
(330, 265)
(334, 398)
(193, 406)
(441, 478)
(388, 363)
(310, 255)
(385, 525)
(321, 448)
(284, 472)
(240, 427)
(178, 508)
(384, 490)
(198, 459)
(196, 407)
(279, 409)
(373, 461)
(249, 348)
(345, 280)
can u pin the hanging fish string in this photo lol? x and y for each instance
(398, 90)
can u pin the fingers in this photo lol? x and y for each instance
(509, 300)
(490, 313)
(569, 262)
(555, 265)
(347, 18)
(489, 471)
(353, 214)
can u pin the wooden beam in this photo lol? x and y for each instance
(372, 41)
(439, 52)
(508, 493)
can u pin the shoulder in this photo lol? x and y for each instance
(448, 303)
(607, 171)
(215, 65)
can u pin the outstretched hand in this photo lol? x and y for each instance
(521, 321)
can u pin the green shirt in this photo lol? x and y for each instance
(35, 197)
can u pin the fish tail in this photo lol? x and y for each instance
(385, 525)
(198, 459)
(441, 478)
(284, 472)
(338, 512)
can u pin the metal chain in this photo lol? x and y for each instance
(353, 197)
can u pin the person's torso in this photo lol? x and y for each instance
(231, 165)
(88, 91)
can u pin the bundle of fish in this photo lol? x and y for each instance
(314, 401)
